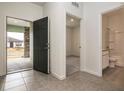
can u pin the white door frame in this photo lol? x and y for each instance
(31, 39)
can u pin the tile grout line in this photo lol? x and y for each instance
(3, 86)
(24, 82)
(16, 79)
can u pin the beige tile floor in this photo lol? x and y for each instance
(36, 81)
(72, 65)
(115, 75)
(113, 79)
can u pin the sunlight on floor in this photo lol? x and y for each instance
(17, 64)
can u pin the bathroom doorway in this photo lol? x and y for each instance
(19, 40)
(72, 44)
(113, 46)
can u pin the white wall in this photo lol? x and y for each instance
(27, 11)
(74, 10)
(57, 18)
(68, 41)
(72, 41)
(93, 33)
(76, 41)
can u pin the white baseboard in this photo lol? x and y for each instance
(91, 72)
(58, 76)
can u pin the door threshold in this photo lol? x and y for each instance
(19, 71)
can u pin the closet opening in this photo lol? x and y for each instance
(72, 44)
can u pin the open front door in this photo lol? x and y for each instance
(41, 45)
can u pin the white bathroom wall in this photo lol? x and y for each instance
(105, 33)
(113, 28)
(27, 11)
(116, 25)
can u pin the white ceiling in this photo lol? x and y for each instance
(39, 3)
(70, 23)
(18, 22)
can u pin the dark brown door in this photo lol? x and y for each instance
(41, 45)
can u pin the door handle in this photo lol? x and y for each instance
(47, 48)
(47, 43)
(79, 46)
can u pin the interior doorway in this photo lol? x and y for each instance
(72, 44)
(113, 46)
(18, 44)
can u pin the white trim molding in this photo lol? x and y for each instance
(60, 77)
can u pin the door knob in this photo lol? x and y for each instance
(47, 48)
(47, 43)
(79, 46)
